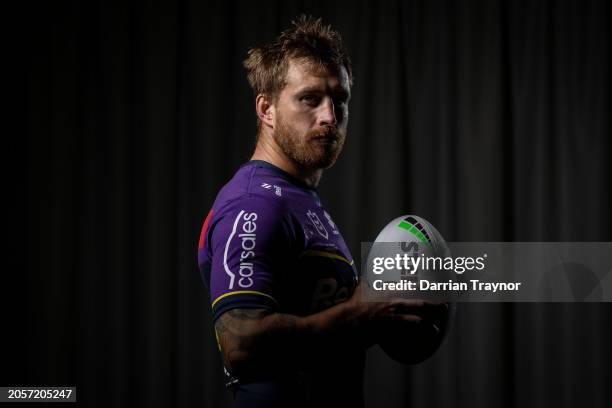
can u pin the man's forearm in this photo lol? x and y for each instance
(248, 336)
(256, 338)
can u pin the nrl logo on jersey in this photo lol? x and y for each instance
(314, 218)
(277, 189)
(331, 223)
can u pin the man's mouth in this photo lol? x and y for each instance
(328, 137)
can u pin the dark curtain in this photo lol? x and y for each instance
(490, 119)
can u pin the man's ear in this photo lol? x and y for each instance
(265, 109)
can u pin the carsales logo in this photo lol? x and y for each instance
(248, 242)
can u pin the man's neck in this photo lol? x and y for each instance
(272, 154)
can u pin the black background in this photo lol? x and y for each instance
(490, 119)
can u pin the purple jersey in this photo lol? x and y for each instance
(269, 243)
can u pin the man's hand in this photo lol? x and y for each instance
(377, 319)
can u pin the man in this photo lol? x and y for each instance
(288, 318)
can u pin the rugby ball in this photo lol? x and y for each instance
(409, 343)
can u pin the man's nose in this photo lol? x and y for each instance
(327, 113)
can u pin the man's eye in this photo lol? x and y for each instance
(311, 99)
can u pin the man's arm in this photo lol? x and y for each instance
(256, 339)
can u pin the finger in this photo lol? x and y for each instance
(412, 318)
(416, 307)
(418, 302)
(409, 318)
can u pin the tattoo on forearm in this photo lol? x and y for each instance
(246, 314)
(243, 331)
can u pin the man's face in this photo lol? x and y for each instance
(312, 115)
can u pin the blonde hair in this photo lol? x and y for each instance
(306, 39)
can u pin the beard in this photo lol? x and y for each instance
(317, 149)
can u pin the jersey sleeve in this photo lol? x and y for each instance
(248, 242)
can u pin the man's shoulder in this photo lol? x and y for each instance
(251, 188)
